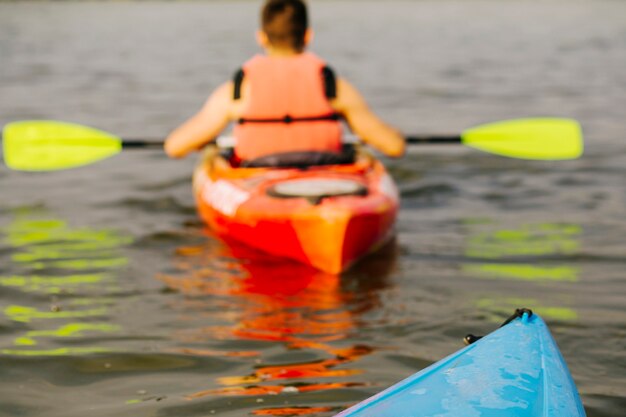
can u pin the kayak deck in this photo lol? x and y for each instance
(515, 371)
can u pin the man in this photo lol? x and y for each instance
(286, 101)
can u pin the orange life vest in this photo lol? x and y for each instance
(287, 109)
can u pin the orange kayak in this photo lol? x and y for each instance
(324, 216)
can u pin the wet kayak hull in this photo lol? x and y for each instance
(329, 233)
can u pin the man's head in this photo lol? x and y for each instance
(284, 24)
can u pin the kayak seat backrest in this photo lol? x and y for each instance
(300, 160)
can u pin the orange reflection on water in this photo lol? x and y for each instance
(208, 352)
(270, 299)
(319, 369)
(278, 301)
(291, 411)
(274, 389)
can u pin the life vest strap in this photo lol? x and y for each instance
(290, 119)
(330, 83)
(237, 80)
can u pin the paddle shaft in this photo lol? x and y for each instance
(411, 140)
(142, 144)
(419, 140)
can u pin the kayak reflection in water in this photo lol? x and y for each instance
(268, 303)
(286, 101)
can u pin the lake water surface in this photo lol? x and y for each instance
(115, 301)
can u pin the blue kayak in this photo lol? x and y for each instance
(515, 371)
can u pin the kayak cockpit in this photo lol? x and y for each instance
(300, 160)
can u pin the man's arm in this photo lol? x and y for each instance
(204, 126)
(364, 123)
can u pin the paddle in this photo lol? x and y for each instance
(539, 138)
(46, 145)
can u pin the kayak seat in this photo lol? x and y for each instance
(316, 189)
(300, 160)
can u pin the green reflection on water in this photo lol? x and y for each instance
(523, 272)
(536, 253)
(528, 240)
(56, 352)
(26, 231)
(51, 284)
(69, 330)
(551, 240)
(49, 257)
(26, 314)
(78, 264)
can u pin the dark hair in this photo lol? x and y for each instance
(285, 22)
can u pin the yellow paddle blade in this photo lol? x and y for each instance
(542, 138)
(46, 145)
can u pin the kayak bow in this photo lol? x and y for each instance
(515, 371)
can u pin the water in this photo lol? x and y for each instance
(116, 301)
